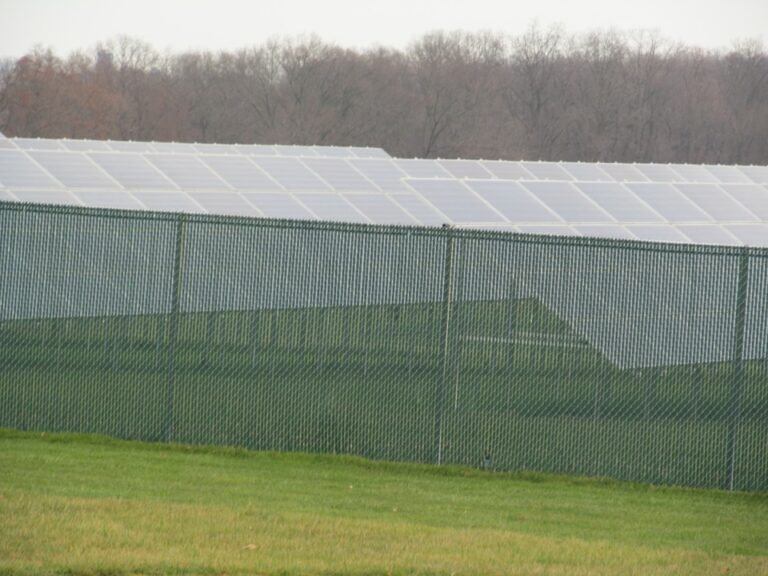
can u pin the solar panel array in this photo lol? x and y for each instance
(724, 205)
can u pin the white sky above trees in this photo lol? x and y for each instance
(178, 25)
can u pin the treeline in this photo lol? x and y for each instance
(545, 94)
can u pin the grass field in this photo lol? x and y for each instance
(89, 505)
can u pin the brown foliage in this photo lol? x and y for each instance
(542, 95)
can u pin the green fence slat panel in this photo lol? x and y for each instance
(638, 361)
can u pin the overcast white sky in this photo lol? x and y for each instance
(67, 25)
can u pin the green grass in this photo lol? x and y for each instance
(366, 380)
(85, 505)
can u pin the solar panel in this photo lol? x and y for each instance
(750, 234)
(132, 170)
(86, 145)
(713, 200)
(224, 203)
(728, 174)
(73, 169)
(546, 171)
(333, 152)
(339, 174)
(168, 201)
(17, 170)
(173, 148)
(513, 201)
(416, 168)
(256, 150)
(279, 205)
(128, 146)
(547, 230)
(709, 234)
(215, 148)
(109, 199)
(693, 173)
(659, 173)
(384, 173)
(240, 173)
(567, 201)
(758, 174)
(380, 209)
(46, 196)
(668, 202)
(619, 202)
(424, 213)
(290, 173)
(623, 172)
(507, 170)
(465, 168)
(658, 233)
(586, 172)
(752, 196)
(330, 207)
(300, 151)
(456, 201)
(38, 144)
(595, 231)
(361, 152)
(187, 171)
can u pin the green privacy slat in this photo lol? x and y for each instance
(639, 361)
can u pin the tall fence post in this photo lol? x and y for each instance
(174, 328)
(734, 407)
(445, 352)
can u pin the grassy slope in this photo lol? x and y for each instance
(85, 505)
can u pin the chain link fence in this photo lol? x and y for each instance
(638, 361)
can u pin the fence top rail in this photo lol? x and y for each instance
(387, 230)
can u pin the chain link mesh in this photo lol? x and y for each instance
(637, 361)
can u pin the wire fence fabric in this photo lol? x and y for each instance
(637, 361)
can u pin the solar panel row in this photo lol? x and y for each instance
(677, 203)
(191, 148)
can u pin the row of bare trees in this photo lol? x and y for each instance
(545, 94)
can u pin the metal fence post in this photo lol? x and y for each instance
(734, 408)
(174, 328)
(445, 352)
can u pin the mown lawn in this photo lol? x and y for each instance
(90, 505)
